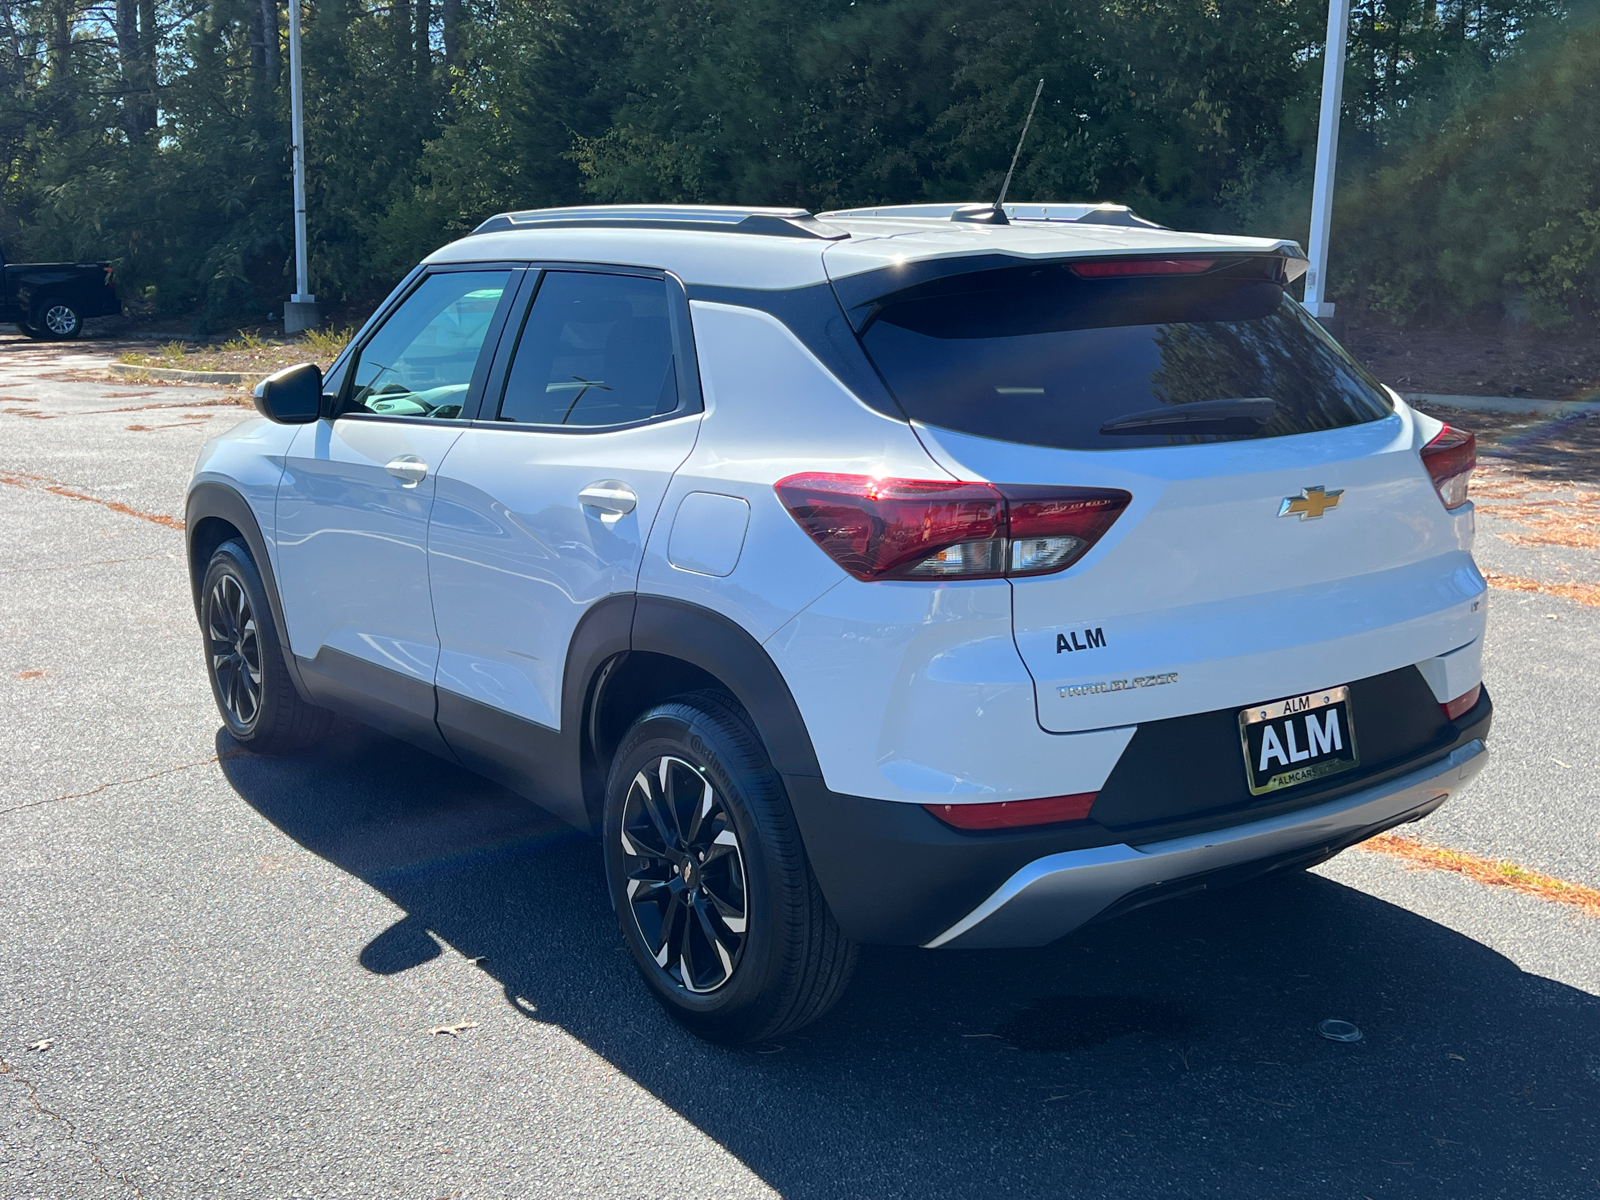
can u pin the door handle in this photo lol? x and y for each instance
(408, 469)
(611, 498)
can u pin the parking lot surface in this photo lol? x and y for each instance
(364, 972)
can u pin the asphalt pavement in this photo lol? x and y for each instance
(364, 972)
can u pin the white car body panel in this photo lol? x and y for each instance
(352, 543)
(515, 559)
(249, 459)
(772, 410)
(1190, 581)
(914, 692)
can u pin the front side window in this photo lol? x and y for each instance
(420, 363)
(596, 350)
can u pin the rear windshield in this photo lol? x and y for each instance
(1038, 355)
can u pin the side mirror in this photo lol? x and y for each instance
(291, 397)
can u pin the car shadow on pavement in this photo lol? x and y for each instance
(1172, 1052)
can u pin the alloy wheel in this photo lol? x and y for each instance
(60, 320)
(685, 874)
(234, 644)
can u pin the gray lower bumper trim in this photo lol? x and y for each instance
(1054, 895)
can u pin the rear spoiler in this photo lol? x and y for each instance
(862, 295)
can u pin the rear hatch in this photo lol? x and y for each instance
(1281, 534)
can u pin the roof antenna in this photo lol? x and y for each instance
(994, 214)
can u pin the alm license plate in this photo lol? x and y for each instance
(1297, 739)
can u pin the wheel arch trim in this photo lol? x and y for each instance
(211, 500)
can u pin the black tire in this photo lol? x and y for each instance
(30, 331)
(57, 320)
(790, 962)
(244, 660)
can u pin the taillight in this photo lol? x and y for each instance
(1463, 703)
(1119, 268)
(1015, 814)
(935, 529)
(1450, 457)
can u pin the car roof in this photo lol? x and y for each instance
(787, 248)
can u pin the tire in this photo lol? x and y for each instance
(244, 660)
(57, 320)
(718, 905)
(30, 331)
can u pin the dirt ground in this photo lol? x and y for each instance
(1544, 366)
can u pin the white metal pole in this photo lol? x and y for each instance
(1327, 153)
(302, 313)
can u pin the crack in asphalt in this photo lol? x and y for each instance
(38, 483)
(72, 1130)
(98, 788)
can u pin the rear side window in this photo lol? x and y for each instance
(595, 350)
(1040, 356)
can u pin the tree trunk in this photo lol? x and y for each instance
(127, 31)
(424, 46)
(149, 37)
(404, 47)
(452, 32)
(270, 41)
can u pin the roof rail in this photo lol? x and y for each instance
(772, 222)
(1075, 214)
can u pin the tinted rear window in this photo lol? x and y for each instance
(1037, 355)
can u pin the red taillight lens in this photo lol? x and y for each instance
(1115, 268)
(933, 529)
(1015, 814)
(1450, 457)
(1463, 703)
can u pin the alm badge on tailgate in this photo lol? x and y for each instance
(1297, 739)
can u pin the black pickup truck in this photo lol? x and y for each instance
(51, 301)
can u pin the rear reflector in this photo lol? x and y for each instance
(1115, 268)
(939, 529)
(1463, 703)
(1015, 814)
(1449, 458)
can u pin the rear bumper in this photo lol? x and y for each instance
(895, 875)
(1054, 895)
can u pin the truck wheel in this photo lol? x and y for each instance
(30, 330)
(57, 321)
(716, 898)
(244, 660)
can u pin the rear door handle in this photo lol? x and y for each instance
(408, 469)
(611, 498)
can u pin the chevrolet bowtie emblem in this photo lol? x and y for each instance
(1311, 503)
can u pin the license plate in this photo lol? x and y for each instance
(1297, 739)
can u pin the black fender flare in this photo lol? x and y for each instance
(218, 500)
(720, 647)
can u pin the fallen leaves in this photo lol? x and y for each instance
(39, 483)
(1583, 593)
(1491, 872)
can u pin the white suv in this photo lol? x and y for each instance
(922, 575)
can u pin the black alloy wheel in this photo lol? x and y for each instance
(716, 899)
(234, 645)
(685, 874)
(244, 659)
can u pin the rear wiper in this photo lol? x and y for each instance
(1203, 416)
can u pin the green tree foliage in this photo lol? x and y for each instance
(154, 132)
